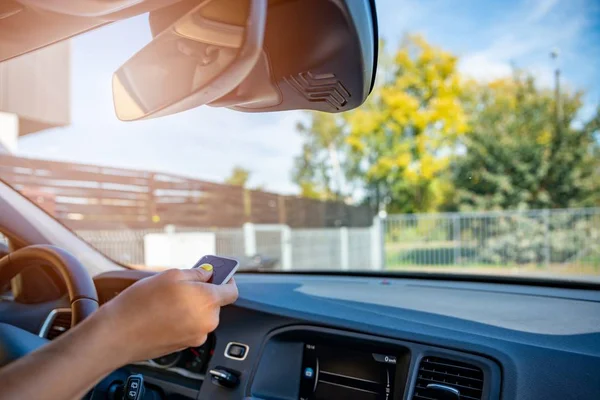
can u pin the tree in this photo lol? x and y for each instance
(397, 145)
(405, 136)
(519, 156)
(429, 140)
(320, 169)
(239, 177)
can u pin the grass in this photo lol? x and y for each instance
(558, 270)
(444, 258)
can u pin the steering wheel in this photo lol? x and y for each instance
(82, 292)
(15, 342)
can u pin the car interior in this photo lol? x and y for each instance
(291, 334)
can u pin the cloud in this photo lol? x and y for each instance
(540, 9)
(491, 37)
(483, 68)
(526, 36)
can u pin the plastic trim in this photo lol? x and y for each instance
(176, 370)
(226, 352)
(50, 319)
(417, 351)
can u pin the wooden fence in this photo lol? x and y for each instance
(95, 197)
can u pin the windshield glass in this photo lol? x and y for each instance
(478, 152)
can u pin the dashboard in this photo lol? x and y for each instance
(293, 336)
(190, 363)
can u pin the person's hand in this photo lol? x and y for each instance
(165, 313)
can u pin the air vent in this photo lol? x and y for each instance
(443, 375)
(57, 323)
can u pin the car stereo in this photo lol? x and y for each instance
(313, 363)
(335, 372)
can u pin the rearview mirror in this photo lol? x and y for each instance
(252, 56)
(200, 57)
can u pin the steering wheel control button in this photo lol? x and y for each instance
(134, 388)
(236, 351)
(225, 377)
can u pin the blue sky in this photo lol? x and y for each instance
(207, 142)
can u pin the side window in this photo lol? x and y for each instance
(4, 290)
(3, 244)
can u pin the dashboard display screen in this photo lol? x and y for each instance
(330, 372)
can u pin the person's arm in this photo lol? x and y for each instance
(155, 316)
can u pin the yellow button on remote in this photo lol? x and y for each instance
(207, 267)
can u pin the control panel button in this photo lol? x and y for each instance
(308, 372)
(134, 388)
(224, 377)
(236, 351)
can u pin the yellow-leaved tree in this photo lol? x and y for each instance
(403, 137)
(397, 146)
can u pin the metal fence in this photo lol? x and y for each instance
(127, 246)
(542, 239)
(538, 238)
(345, 248)
(314, 248)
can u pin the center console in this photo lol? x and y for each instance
(311, 363)
(333, 371)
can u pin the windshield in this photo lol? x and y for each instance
(478, 152)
